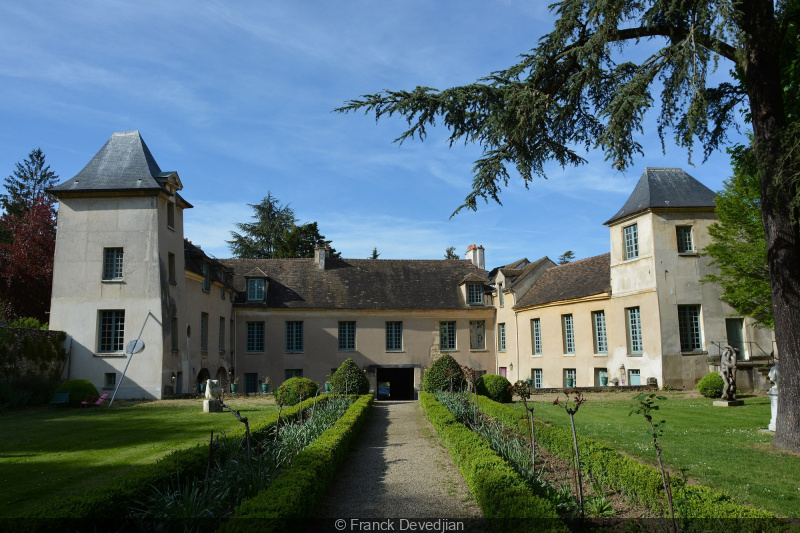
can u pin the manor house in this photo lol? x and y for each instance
(123, 269)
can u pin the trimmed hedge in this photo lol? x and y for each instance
(289, 391)
(639, 482)
(498, 489)
(349, 379)
(292, 496)
(106, 504)
(494, 387)
(436, 379)
(711, 385)
(78, 390)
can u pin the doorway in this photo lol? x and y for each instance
(735, 330)
(395, 383)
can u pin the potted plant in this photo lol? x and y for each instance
(603, 379)
(328, 384)
(265, 385)
(234, 385)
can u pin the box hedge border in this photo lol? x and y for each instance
(108, 504)
(499, 491)
(639, 482)
(292, 496)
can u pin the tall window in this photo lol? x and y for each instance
(206, 280)
(568, 333)
(536, 336)
(500, 295)
(173, 335)
(634, 323)
(501, 337)
(170, 215)
(685, 244)
(250, 382)
(255, 337)
(475, 293)
(477, 335)
(112, 331)
(112, 263)
(110, 380)
(689, 327)
(255, 290)
(447, 335)
(394, 336)
(294, 336)
(347, 336)
(171, 263)
(204, 331)
(221, 334)
(599, 327)
(570, 377)
(536, 376)
(631, 234)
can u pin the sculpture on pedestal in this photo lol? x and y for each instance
(773, 396)
(728, 372)
(212, 402)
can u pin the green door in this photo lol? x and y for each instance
(735, 330)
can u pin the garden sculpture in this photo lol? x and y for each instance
(213, 389)
(773, 376)
(728, 372)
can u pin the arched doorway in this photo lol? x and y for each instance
(222, 376)
(202, 377)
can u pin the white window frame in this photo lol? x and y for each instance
(447, 335)
(633, 320)
(568, 333)
(536, 336)
(294, 336)
(394, 336)
(600, 332)
(630, 238)
(501, 337)
(474, 293)
(477, 335)
(536, 377)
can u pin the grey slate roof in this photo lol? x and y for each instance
(665, 187)
(124, 163)
(578, 279)
(358, 283)
(194, 257)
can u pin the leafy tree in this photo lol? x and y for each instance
(275, 233)
(566, 257)
(450, 253)
(26, 261)
(739, 247)
(375, 253)
(575, 91)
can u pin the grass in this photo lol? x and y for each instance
(49, 453)
(714, 446)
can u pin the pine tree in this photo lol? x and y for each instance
(450, 253)
(27, 184)
(375, 253)
(576, 90)
(566, 257)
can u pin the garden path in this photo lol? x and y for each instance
(398, 469)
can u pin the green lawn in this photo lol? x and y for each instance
(715, 446)
(48, 453)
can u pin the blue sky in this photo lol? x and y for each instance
(237, 97)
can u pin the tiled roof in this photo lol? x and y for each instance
(665, 187)
(519, 263)
(123, 163)
(530, 267)
(358, 283)
(578, 279)
(194, 257)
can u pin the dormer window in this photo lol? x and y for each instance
(206, 280)
(255, 290)
(474, 293)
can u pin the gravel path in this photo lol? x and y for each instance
(398, 468)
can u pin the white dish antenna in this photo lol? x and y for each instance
(135, 347)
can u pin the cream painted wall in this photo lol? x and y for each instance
(320, 340)
(85, 227)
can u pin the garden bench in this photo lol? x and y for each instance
(60, 398)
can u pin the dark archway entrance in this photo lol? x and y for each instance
(395, 383)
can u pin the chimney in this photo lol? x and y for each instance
(475, 255)
(321, 253)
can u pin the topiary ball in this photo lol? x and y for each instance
(494, 387)
(290, 391)
(711, 386)
(349, 379)
(78, 390)
(439, 374)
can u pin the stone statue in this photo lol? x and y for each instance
(773, 396)
(773, 377)
(213, 389)
(728, 372)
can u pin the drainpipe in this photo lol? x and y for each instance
(516, 333)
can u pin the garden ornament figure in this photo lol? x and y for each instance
(213, 389)
(728, 372)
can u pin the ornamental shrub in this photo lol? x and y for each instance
(494, 387)
(711, 385)
(349, 379)
(438, 376)
(78, 390)
(289, 392)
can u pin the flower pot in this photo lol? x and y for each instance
(202, 388)
(265, 387)
(327, 387)
(234, 386)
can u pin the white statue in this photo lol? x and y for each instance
(728, 372)
(773, 377)
(213, 389)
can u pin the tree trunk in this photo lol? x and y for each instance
(760, 62)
